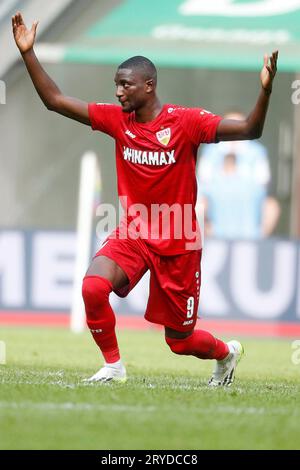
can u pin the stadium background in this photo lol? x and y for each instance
(80, 43)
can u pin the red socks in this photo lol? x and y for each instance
(101, 321)
(100, 317)
(200, 344)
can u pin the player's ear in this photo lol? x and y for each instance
(150, 85)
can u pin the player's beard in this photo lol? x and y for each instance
(127, 108)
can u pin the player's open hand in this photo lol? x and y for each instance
(24, 37)
(269, 71)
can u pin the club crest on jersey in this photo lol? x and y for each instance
(164, 136)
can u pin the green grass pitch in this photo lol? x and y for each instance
(165, 403)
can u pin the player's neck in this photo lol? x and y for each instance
(148, 112)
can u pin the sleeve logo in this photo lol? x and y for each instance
(204, 111)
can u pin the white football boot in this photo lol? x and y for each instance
(224, 372)
(110, 373)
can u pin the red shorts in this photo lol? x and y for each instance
(174, 280)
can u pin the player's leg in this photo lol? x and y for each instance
(104, 276)
(202, 344)
(118, 266)
(198, 343)
(173, 302)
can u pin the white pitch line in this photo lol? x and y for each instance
(68, 406)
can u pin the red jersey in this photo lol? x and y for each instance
(156, 163)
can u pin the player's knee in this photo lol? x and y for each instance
(177, 346)
(95, 292)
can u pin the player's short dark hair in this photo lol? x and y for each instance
(142, 64)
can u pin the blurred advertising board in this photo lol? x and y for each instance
(246, 280)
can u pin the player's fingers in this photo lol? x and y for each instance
(21, 18)
(275, 63)
(266, 60)
(270, 70)
(34, 27)
(274, 57)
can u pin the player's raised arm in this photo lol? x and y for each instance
(48, 91)
(252, 127)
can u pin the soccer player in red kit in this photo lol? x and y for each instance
(156, 151)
